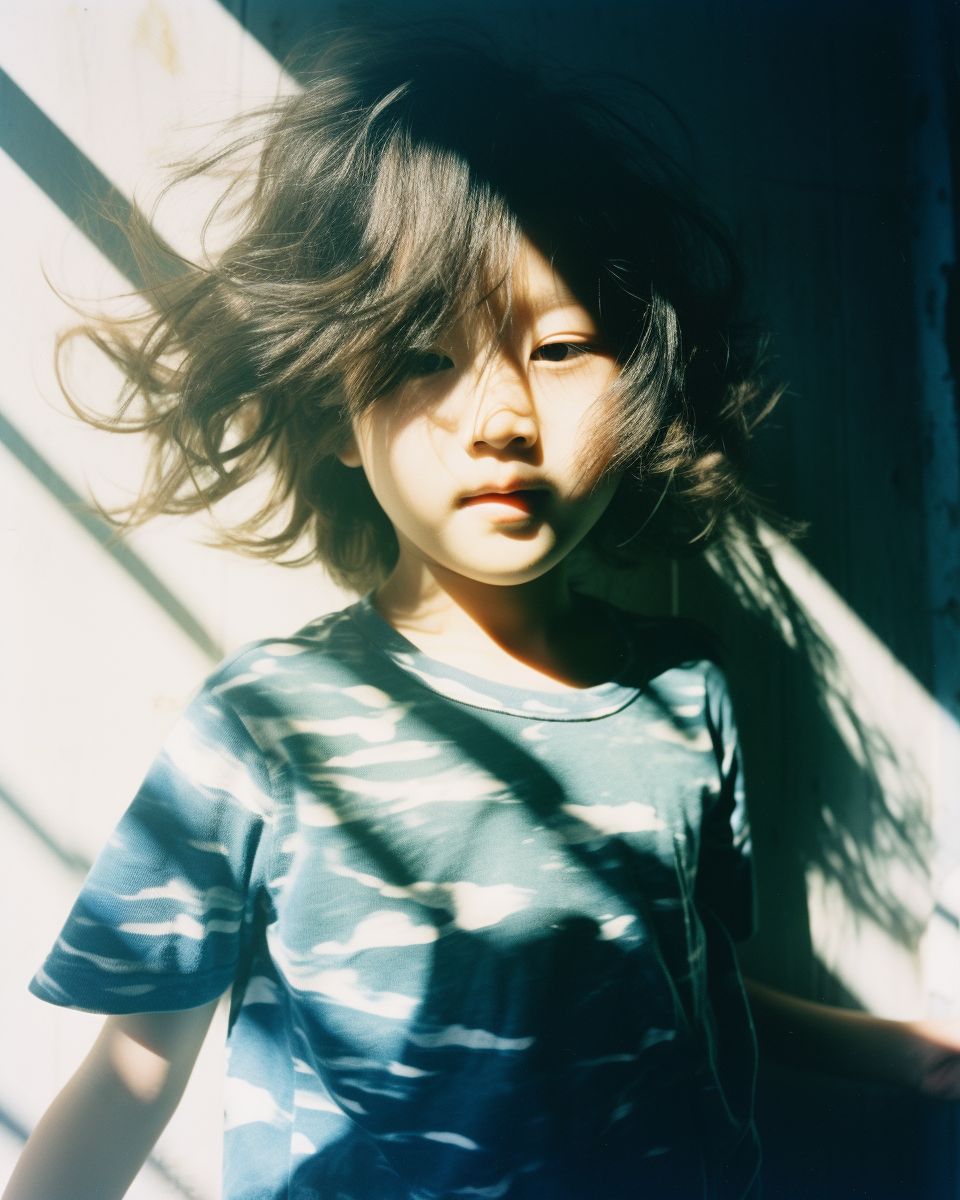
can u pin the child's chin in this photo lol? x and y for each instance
(508, 570)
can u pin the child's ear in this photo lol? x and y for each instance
(349, 452)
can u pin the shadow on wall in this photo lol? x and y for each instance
(103, 214)
(839, 803)
(839, 791)
(71, 180)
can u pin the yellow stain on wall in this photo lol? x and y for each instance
(154, 34)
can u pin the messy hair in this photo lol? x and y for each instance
(385, 201)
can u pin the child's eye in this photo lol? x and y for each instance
(561, 352)
(426, 362)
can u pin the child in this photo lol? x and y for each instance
(469, 854)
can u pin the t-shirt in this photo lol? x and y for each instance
(478, 936)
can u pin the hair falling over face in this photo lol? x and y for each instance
(386, 201)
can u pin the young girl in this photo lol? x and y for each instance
(469, 854)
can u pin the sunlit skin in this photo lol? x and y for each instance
(477, 463)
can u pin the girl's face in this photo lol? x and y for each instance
(476, 459)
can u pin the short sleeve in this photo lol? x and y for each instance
(164, 915)
(725, 872)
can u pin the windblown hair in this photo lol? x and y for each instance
(387, 200)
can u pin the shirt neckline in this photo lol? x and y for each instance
(475, 691)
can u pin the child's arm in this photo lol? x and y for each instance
(917, 1054)
(95, 1136)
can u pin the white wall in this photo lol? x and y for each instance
(94, 669)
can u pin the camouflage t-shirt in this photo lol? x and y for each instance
(478, 936)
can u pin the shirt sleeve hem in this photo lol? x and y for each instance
(168, 993)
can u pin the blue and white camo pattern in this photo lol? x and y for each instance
(477, 936)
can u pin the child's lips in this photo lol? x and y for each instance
(521, 500)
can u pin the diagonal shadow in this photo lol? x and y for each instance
(64, 173)
(87, 197)
(856, 826)
(13, 1126)
(280, 28)
(106, 537)
(71, 859)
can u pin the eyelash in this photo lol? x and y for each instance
(578, 350)
(433, 363)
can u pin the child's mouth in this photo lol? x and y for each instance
(523, 501)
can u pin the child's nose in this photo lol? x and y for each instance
(505, 416)
(505, 427)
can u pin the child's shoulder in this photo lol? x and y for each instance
(675, 641)
(326, 649)
(673, 646)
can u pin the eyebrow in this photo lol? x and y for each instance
(546, 302)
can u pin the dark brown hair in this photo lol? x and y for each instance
(387, 199)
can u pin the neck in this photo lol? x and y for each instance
(502, 631)
(441, 603)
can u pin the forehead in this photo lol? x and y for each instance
(532, 290)
(537, 285)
